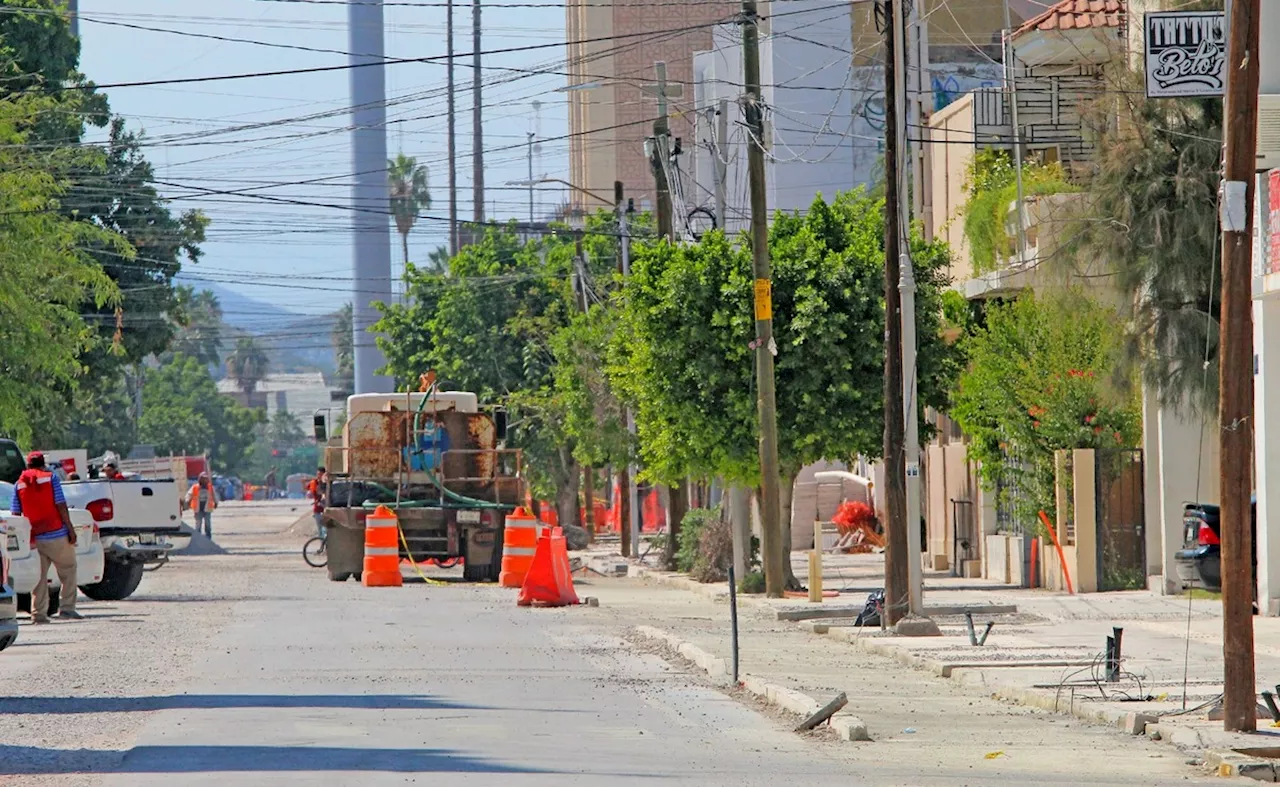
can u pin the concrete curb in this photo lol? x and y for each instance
(847, 726)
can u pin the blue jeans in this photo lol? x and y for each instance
(320, 524)
(205, 517)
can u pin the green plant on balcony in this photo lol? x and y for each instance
(991, 181)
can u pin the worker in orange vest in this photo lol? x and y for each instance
(202, 500)
(38, 497)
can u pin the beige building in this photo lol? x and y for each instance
(612, 51)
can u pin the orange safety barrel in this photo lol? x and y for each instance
(519, 539)
(382, 550)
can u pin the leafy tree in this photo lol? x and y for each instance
(283, 430)
(199, 319)
(247, 365)
(1039, 381)
(182, 411)
(992, 186)
(409, 195)
(342, 339)
(1152, 215)
(684, 353)
(47, 274)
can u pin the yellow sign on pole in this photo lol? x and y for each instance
(764, 299)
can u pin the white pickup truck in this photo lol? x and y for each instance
(140, 522)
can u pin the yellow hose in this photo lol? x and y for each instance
(413, 563)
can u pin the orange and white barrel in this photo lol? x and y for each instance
(382, 550)
(519, 538)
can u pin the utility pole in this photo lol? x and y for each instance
(721, 164)
(896, 570)
(1235, 366)
(626, 479)
(452, 134)
(73, 13)
(530, 181)
(477, 128)
(659, 151)
(1011, 91)
(775, 553)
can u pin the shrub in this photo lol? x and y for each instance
(715, 552)
(752, 583)
(695, 519)
(853, 514)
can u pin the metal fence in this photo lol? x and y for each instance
(1122, 543)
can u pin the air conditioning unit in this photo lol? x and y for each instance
(1268, 132)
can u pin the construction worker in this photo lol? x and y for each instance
(316, 489)
(111, 471)
(38, 497)
(202, 499)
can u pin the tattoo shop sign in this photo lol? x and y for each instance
(1185, 53)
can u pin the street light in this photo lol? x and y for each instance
(531, 182)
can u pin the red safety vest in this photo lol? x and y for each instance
(35, 492)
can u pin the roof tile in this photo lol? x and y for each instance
(1077, 15)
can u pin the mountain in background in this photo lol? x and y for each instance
(294, 342)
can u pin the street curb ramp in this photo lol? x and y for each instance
(847, 726)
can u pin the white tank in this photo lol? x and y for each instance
(462, 401)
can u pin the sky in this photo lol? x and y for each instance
(298, 258)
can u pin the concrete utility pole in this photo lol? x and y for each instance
(776, 569)
(371, 217)
(531, 181)
(897, 559)
(907, 289)
(477, 127)
(73, 13)
(1011, 92)
(1235, 366)
(721, 163)
(452, 133)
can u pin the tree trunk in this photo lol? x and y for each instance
(566, 478)
(678, 506)
(624, 512)
(589, 501)
(404, 245)
(786, 490)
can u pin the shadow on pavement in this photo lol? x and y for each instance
(15, 760)
(21, 706)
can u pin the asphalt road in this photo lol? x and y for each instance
(252, 668)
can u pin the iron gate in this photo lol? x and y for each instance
(1122, 543)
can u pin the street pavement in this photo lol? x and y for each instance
(251, 667)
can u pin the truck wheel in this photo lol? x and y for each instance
(340, 577)
(55, 603)
(119, 579)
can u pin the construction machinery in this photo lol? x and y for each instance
(438, 461)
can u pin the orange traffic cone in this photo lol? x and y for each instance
(382, 550)
(549, 582)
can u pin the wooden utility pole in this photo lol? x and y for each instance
(896, 573)
(477, 127)
(660, 151)
(451, 134)
(589, 500)
(1235, 367)
(776, 568)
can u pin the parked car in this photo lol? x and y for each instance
(8, 600)
(24, 561)
(1199, 562)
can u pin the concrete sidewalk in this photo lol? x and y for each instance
(947, 731)
(1049, 653)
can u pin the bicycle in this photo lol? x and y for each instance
(315, 552)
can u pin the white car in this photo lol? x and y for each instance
(24, 561)
(8, 603)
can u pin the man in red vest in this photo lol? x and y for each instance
(39, 498)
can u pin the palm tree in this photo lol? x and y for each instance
(247, 365)
(409, 195)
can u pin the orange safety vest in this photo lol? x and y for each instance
(193, 498)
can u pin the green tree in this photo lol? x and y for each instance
(342, 339)
(1039, 380)
(1152, 216)
(992, 186)
(409, 195)
(182, 411)
(47, 274)
(283, 430)
(683, 354)
(198, 318)
(247, 364)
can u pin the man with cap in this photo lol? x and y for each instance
(38, 497)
